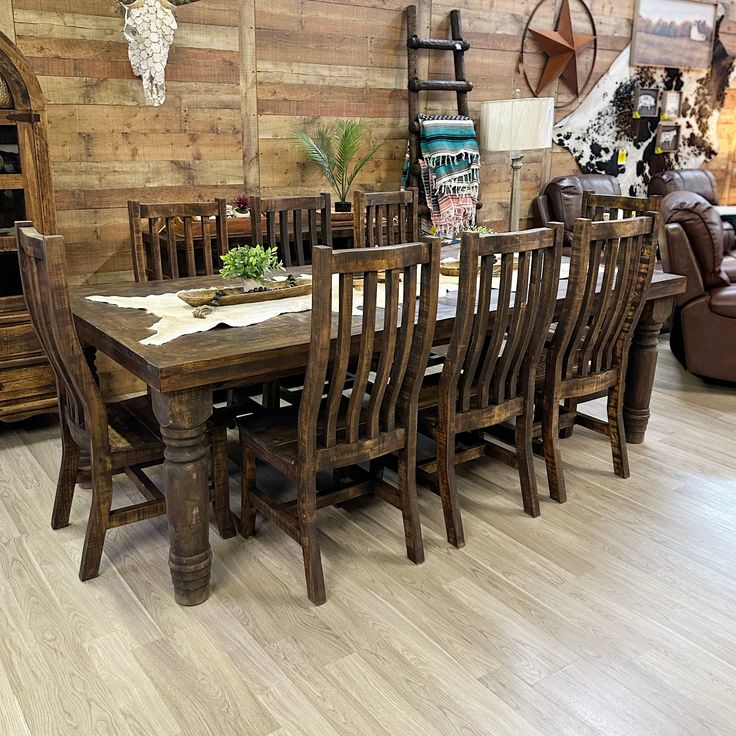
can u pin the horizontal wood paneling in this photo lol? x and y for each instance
(243, 75)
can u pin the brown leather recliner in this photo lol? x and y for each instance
(562, 200)
(704, 183)
(703, 334)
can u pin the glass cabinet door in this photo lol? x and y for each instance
(12, 200)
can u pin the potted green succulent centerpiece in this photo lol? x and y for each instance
(252, 264)
(333, 148)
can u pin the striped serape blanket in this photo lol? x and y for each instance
(450, 167)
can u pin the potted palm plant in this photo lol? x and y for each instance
(333, 148)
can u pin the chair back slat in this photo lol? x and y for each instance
(388, 351)
(385, 218)
(170, 230)
(365, 355)
(158, 270)
(187, 224)
(384, 404)
(342, 358)
(42, 264)
(491, 361)
(285, 217)
(189, 245)
(403, 347)
(610, 269)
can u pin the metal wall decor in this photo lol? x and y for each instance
(564, 48)
(149, 30)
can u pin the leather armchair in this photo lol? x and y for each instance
(562, 200)
(703, 334)
(703, 183)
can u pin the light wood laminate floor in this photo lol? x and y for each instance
(612, 615)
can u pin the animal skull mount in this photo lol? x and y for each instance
(149, 30)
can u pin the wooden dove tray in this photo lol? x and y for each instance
(228, 295)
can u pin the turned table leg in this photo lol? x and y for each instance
(183, 417)
(641, 367)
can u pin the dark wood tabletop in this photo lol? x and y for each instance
(225, 354)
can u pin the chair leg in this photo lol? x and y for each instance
(221, 484)
(571, 405)
(247, 484)
(98, 522)
(447, 486)
(525, 459)
(309, 533)
(67, 479)
(407, 473)
(271, 395)
(617, 433)
(551, 443)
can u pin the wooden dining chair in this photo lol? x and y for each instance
(292, 225)
(330, 431)
(617, 207)
(610, 207)
(489, 371)
(170, 226)
(611, 268)
(117, 437)
(385, 218)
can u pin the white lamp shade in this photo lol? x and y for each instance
(517, 125)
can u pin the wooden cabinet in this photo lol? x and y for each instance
(27, 384)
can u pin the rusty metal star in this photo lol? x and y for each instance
(562, 47)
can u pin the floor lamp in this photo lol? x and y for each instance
(516, 125)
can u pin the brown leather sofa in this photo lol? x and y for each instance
(703, 183)
(703, 333)
(562, 200)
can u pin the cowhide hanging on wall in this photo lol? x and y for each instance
(604, 124)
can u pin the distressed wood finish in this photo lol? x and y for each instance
(113, 438)
(490, 367)
(26, 379)
(235, 357)
(184, 239)
(385, 218)
(294, 226)
(616, 207)
(610, 271)
(380, 417)
(238, 84)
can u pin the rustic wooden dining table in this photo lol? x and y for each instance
(183, 373)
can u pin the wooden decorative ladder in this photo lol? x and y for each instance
(461, 86)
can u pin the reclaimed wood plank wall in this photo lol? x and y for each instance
(242, 75)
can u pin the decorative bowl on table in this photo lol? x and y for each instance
(278, 287)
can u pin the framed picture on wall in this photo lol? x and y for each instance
(668, 138)
(671, 104)
(674, 33)
(646, 102)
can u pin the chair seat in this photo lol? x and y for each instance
(133, 425)
(723, 301)
(272, 433)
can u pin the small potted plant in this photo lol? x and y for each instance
(252, 264)
(333, 148)
(241, 205)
